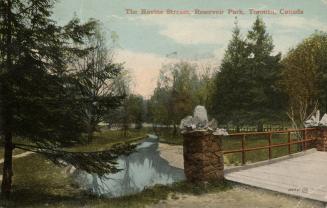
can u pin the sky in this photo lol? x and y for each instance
(148, 41)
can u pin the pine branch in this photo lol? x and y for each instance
(99, 162)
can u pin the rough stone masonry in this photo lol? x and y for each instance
(322, 140)
(321, 124)
(202, 147)
(203, 157)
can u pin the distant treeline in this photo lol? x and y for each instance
(252, 86)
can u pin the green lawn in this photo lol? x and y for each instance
(39, 183)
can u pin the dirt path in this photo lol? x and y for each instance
(237, 197)
(173, 154)
(18, 156)
(15, 157)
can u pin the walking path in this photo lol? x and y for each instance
(18, 156)
(15, 157)
(301, 175)
(173, 154)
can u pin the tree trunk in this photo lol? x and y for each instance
(6, 106)
(7, 166)
(89, 135)
(125, 128)
(175, 130)
(260, 127)
(238, 129)
(90, 129)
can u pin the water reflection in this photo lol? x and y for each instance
(141, 169)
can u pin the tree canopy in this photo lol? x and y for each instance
(304, 77)
(96, 74)
(247, 88)
(38, 97)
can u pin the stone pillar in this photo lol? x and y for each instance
(203, 157)
(322, 140)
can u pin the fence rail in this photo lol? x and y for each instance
(305, 139)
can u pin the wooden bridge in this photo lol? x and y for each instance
(301, 174)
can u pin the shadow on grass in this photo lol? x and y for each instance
(43, 198)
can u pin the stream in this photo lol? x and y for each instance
(141, 169)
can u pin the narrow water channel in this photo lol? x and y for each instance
(141, 169)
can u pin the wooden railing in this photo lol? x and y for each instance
(307, 136)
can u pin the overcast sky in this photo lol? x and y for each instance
(146, 42)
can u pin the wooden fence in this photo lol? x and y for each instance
(305, 137)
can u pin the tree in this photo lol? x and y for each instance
(136, 110)
(37, 91)
(247, 85)
(232, 97)
(96, 73)
(131, 110)
(268, 100)
(123, 87)
(158, 106)
(176, 94)
(304, 77)
(206, 88)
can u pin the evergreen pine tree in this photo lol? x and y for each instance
(232, 82)
(268, 101)
(38, 99)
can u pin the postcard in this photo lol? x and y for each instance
(153, 103)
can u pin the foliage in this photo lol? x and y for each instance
(206, 88)
(158, 106)
(232, 83)
(100, 162)
(179, 89)
(246, 87)
(268, 100)
(96, 73)
(34, 53)
(132, 109)
(38, 93)
(135, 107)
(304, 77)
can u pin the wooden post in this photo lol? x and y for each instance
(289, 142)
(269, 139)
(305, 138)
(243, 149)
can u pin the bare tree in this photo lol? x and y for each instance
(96, 74)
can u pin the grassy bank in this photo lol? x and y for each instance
(102, 140)
(106, 138)
(38, 183)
